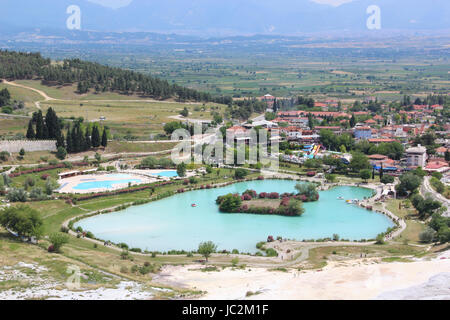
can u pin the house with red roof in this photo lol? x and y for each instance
(381, 140)
(378, 118)
(437, 165)
(441, 151)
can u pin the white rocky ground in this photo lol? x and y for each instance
(32, 284)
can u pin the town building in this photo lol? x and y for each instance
(416, 156)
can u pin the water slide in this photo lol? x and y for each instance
(317, 148)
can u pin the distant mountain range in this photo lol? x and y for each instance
(208, 18)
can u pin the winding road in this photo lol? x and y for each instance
(426, 188)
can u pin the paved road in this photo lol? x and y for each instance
(427, 189)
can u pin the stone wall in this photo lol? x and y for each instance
(27, 145)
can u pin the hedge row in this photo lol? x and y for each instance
(52, 167)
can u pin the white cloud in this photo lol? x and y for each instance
(334, 3)
(115, 4)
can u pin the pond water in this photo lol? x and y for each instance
(173, 223)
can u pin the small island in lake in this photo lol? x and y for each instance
(286, 204)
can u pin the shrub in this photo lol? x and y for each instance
(17, 195)
(271, 252)
(58, 239)
(386, 179)
(427, 235)
(125, 255)
(240, 173)
(379, 239)
(61, 153)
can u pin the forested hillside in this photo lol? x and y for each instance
(92, 76)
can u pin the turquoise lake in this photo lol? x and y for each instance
(172, 223)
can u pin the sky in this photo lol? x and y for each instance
(115, 4)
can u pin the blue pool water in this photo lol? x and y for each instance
(169, 174)
(172, 223)
(115, 179)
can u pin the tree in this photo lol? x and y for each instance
(310, 121)
(185, 112)
(409, 182)
(58, 239)
(50, 185)
(104, 138)
(427, 235)
(181, 169)
(170, 127)
(17, 195)
(61, 153)
(308, 190)
(30, 131)
(359, 162)
(330, 177)
(295, 208)
(229, 203)
(240, 173)
(206, 249)
(379, 239)
(23, 220)
(425, 207)
(352, 121)
(95, 137)
(447, 155)
(22, 152)
(386, 179)
(365, 174)
(40, 126)
(87, 139)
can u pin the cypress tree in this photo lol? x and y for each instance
(60, 141)
(39, 125)
(104, 138)
(87, 139)
(69, 147)
(52, 123)
(352, 121)
(30, 131)
(95, 137)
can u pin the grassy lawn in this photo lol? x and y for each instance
(29, 97)
(30, 158)
(128, 147)
(413, 226)
(11, 127)
(264, 203)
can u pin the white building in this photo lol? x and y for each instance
(416, 156)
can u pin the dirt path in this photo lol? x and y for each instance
(427, 188)
(48, 98)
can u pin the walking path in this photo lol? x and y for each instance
(426, 188)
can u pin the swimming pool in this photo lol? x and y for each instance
(172, 223)
(168, 174)
(109, 181)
